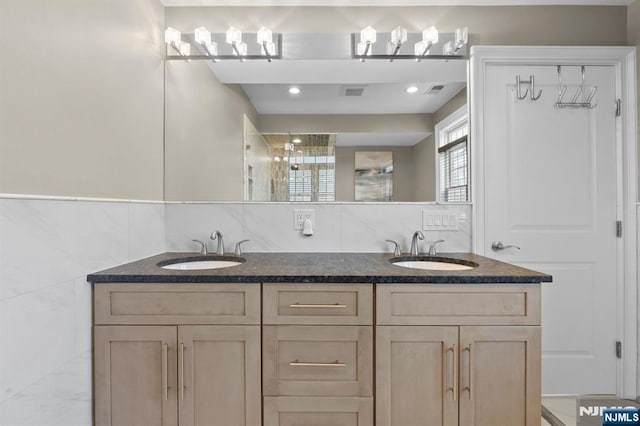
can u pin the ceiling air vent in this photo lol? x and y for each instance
(353, 91)
(435, 89)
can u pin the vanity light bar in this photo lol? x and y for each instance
(450, 45)
(269, 45)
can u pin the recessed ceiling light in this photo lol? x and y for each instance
(296, 140)
(412, 89)
(294, 90)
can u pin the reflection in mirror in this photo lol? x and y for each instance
(227, 126)
(374, 176)
(302, 168)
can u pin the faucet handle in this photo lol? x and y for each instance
(203, 246)
(238, 249)
(432, 247)
(397, 251)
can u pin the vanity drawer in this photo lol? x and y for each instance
(123, 303)
(317, 360)
(329, 304)
(458, 304)
(318, 411)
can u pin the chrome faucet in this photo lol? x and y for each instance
(238, 250)
(203, 247)
(432, 247)
(397, 251)
(218, 235)
(414, 242)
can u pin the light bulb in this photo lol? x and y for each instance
(411, 89)
(368, 35)
(362, 48)
(171, 35)
(447, 49)
(294, 91)
(276, 159)
(202, 35)
(430, 35)
(242, 49)
(399, 35)
(420, 48)
(462, 36)
(184, 48)
(391, 48)
(212, 48)
(234, 35)
(297, 140)
(264, 36)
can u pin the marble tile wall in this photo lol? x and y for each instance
(341, 227)
(47, 247)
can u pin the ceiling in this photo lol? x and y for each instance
(392, 2)
(389, 98)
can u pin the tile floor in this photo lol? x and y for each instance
(63, 398)
(563, 407)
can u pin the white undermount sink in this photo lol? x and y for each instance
(197, 264)
(434, 264)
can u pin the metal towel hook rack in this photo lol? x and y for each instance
(584, 102)
(532, 88)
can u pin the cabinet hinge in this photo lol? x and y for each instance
(619, 349)
(618, 107)
(619, 229)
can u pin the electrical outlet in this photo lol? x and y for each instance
(300, 215)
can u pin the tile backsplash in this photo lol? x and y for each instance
(338, 227)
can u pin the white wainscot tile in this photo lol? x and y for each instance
(186, 222)
(38, 335)
(83, 292)
(47, 242)
(146, 230)
(367, 226)
(270, 228)
(61, 398)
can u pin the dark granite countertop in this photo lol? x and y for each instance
(317, 268)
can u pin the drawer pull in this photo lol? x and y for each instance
(318, 305)
(297, 363)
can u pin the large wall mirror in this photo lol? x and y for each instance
(291, 129)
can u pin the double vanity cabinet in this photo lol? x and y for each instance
(316, 353)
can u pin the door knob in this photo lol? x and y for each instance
(498, 246)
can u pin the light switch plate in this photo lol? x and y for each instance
(439, 220)
(300, 215)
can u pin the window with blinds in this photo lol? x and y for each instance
(453, 162)
(300, 185)
(326, 185)
(312, 185)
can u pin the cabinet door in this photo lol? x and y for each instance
(135, 376)
(416, 371)
(219, 375)
(500, 376)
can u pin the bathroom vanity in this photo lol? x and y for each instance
(310, 338)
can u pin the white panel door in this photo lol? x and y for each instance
(550, 188)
